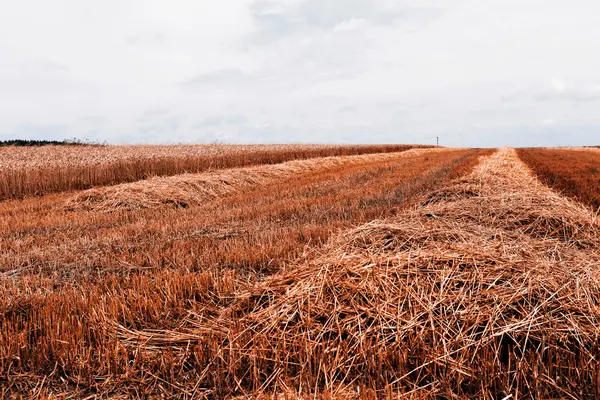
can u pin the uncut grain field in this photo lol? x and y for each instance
(299, 271)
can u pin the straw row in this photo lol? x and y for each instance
(489, 289)
(195, 189)
(35, 171)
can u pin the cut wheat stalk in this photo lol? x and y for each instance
(490, 287)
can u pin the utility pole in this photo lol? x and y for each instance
(437, 140)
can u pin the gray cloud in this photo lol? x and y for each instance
(33, 131)
(161, 129)
(149, 39)
(555, 90)
(229, 77)
(276, 20)
(348, 109)
(210, 121)
(576, 94)
(42, 67)
(94, 120)
(156, 112)
(222, 120)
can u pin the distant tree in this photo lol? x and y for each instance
(64, 142)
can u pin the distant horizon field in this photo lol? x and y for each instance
(39, 170)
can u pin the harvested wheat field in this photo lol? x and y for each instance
(188, 189)
(34, 171)
(423, 273)
(574, 172)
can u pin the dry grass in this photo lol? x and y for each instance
(26, 171)
(574, 172)
(491, 288)
(73, 280)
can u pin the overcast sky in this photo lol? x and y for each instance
(474, 72)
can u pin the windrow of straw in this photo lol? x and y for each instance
(490, 288)
(14, 158)
(194, 189)
(35, 171)
(162, 268)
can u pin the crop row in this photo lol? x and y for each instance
(67, 274)
(27, 171)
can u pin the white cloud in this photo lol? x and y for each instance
(548, 122)
(558, 85)
(351, 24)
(469, 71)
(567, 93)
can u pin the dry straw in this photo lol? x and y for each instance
(34, 171)
(194, 189)
(491, 288)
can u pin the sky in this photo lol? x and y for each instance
(476, 73)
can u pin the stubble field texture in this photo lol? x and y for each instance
(300, 272)
(574, 172)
